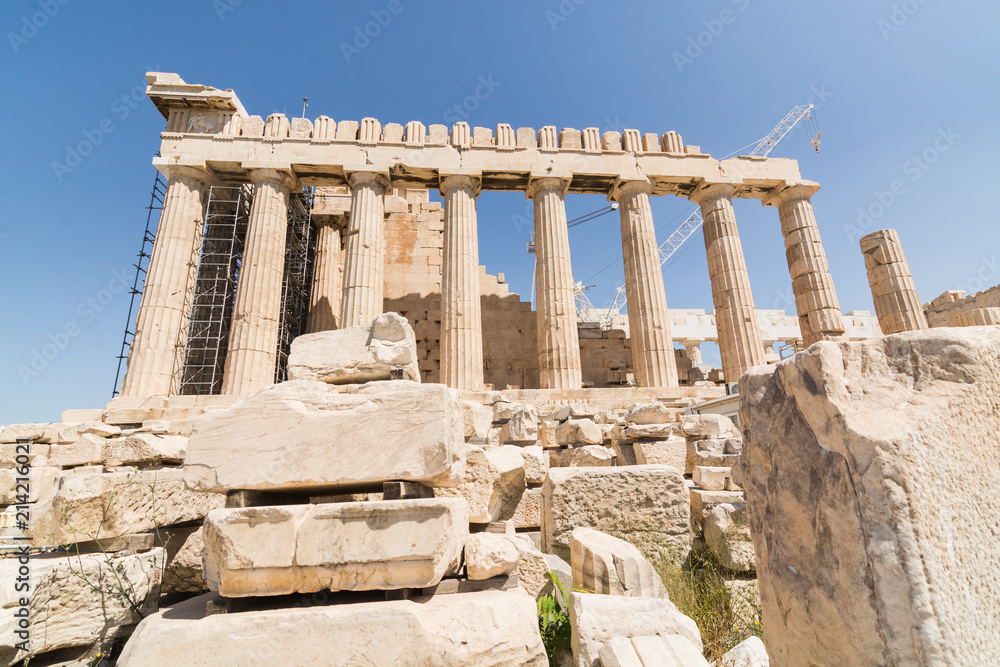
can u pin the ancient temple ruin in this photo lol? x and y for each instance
(237, 270)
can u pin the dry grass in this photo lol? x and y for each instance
(698, 590)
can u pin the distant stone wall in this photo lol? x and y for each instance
(954, 309)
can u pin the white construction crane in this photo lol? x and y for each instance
(762, 148)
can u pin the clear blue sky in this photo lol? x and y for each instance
(891, 81)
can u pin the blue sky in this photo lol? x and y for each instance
(906, 96)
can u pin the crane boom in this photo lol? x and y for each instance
(762, 149)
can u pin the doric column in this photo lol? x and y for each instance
(815, 296)
(324, 299)
(364, 266)
(893, 290)
(693, 350)
(735, 316)
(461, 316)
(157, 350)
(649, 323)
(558, 339)
(253, 335)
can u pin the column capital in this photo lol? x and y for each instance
(707, 191)
(629, 183)
(283, 176)
(197, 170)
(361, 176)
(460, 179)
(336, 220)
(790, 191)
(547, 182)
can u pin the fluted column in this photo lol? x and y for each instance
(558, 339)
(649, 323)
(893, 290)
(740, 341)
(364, 266)
(253, 335)
(461, 316)
(324, 299)
(815, 296)
(157, 350)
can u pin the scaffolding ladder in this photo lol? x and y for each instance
(156, 198)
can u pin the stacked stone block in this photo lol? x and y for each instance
(104, 524)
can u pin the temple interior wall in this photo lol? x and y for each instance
(413, 257)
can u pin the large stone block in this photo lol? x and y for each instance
(144, 448)
(597, 619)
(357, 546)
(489, 555)
(76, 600)
(610, 566)
(871, 471)
(85, 507)
(484, 629)
(307, 436)
(671, 452)
(382, 350)
(647, 506)
(727, 534)
(492, 485)
(184, 572)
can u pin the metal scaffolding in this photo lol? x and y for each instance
(226, 214)
(297, 283)
(145, 250)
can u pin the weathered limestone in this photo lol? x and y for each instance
(493, 483)
(712, 452)
(578, 431)
(647, 506)
(271, 440)
(708, 426)
(558, 340)
(871, 472)
(610, 566)
(649, 326)
(365, 264)
(598, 619)
(581, 456)
(522, 427)
(490, 555)
(143, 448)
(748, 653)
(649, 413)
(727, 534)
(327, 282)
(478, 419)
(740, 341)
(253, 336)
(461, 317)
(382, 349)
(83, 507)
(77, 600)
(358, 546)
(665, 651)
(671, 451)
(815, 295)
(893, 290)
(157, 351)
(485, 629)
(184, 571)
